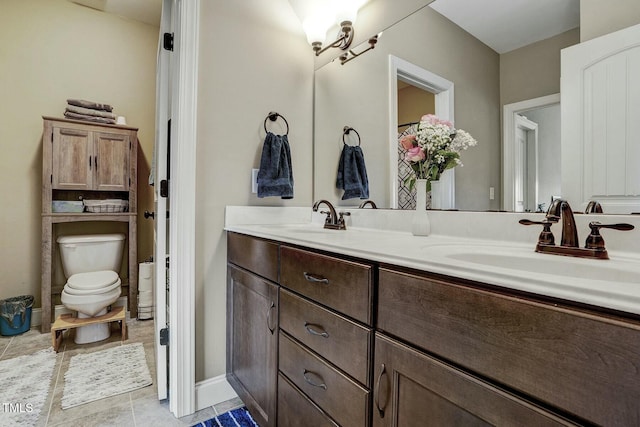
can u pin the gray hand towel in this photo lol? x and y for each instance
(275, 177)
(352, 173)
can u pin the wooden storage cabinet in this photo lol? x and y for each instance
(89, 160)
(252, 326)
(93, 161)
(414, 389)
(581, 362)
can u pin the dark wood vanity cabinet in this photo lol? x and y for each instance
(577, 362)
(252, 325)
(415, 389)
(323, 341)
(325, 336)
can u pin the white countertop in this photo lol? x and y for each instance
(613, 283)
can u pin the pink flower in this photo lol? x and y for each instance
(435, 120)
(415, 154)
(408, 142)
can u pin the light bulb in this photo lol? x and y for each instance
(317, 24)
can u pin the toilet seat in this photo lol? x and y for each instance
(93, 281)
(89, 292)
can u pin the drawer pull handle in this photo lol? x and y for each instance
(319, 384)
(310, 328)
(269, 317)
(315, 279)
(377, 398)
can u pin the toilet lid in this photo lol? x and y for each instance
(92, 280)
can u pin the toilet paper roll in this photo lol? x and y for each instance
(145, 298)
(145, 276)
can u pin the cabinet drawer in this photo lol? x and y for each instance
(340, 397)
(342, 285)
(339, 340)
(586, 364)
(297, 410)
(256, 255)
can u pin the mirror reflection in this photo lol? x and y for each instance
(367, 94)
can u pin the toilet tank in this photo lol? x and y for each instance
(91, 252)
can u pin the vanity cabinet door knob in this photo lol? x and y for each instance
(315, 279)
(377, 392)
(307, 377)
(311, 328)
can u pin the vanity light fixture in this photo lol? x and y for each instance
(324, 16)
(344, 58)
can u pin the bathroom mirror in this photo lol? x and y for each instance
(360, 94)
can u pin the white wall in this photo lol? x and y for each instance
(254, 58)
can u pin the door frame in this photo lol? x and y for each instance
(510, 111)
(182, 205)
(443, 90)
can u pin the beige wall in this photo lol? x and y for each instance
(254, 59)
(54, 50)
(599, 17)
(534, 71)
(413, 103)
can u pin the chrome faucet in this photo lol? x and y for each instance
(560, 210)
(333, 221)
(593, 207)
(368, 202)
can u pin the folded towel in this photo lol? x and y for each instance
(352, 174)
(75, 116)
(90, 104)
(90, 112)
(275, 177)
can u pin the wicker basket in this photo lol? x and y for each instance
(106, 206)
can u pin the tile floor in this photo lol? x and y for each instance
(139, 408)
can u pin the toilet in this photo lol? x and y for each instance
(91, 264)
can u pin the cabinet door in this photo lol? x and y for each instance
(111, 161)
(413, 389)
(252, 342)
(72, 164)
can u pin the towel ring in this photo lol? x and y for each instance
(346, 131)
(273, 116)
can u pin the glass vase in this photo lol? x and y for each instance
(420, 224)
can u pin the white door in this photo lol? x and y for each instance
(160, 182)
(600, 86)
(525, 165)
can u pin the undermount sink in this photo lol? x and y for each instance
(611, 271)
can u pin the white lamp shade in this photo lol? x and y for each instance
(347, 10)
(317, 24)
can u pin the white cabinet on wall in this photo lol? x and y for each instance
(600, 86)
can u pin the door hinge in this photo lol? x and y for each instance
(167, 43)
(164, 336)
(164, 188)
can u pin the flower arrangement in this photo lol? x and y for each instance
(434, 148)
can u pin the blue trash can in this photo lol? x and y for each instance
(15, 315)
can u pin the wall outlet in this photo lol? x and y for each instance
(492, 193)
(254, 180)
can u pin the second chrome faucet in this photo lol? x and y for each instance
(560, 211)
(334, 220)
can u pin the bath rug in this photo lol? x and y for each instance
(105, 373)
(24, 387)
(236, 418)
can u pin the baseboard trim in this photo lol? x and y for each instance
(36, 313)
(213, 391)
